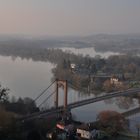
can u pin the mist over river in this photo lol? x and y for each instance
(28, 78)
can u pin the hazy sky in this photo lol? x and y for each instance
(69, 17)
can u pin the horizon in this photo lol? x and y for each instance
(65, 36)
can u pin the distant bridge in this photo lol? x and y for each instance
(131, 112)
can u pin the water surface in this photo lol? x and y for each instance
(27, 78)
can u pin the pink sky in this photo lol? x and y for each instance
(69, 17)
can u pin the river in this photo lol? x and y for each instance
(28, 78)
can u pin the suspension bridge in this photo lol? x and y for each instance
(58, 109)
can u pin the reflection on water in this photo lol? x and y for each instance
(134, 122)
(24, 77)
(89, 51)
(29, 78)
(90, 111)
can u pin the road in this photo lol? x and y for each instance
(81, 103)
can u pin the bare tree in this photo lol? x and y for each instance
(3, 94)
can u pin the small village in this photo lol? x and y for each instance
(68, 129)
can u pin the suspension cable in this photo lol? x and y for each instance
(46, 99)
(44, 91)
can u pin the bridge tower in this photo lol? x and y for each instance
(64, 85)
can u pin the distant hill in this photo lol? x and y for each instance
(126, 43)
(116, 43)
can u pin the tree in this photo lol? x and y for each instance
(13, 99)
(3, 94)
(5, 118)
(64, 65)
(125, 102)
(131, 68)
(30, 105)
(21, 106)
(111, 121)
(107, 86)
(93, 69)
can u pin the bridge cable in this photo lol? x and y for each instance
(46, 99)
(43, 91)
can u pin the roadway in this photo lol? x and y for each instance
(81, 103)
(104, 97)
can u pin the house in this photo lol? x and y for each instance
(86, 132)
(115, 81)
(73, 66)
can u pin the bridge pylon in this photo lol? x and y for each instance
(64, 85)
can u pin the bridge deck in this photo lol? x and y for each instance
(81, 103)
(104, 97)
